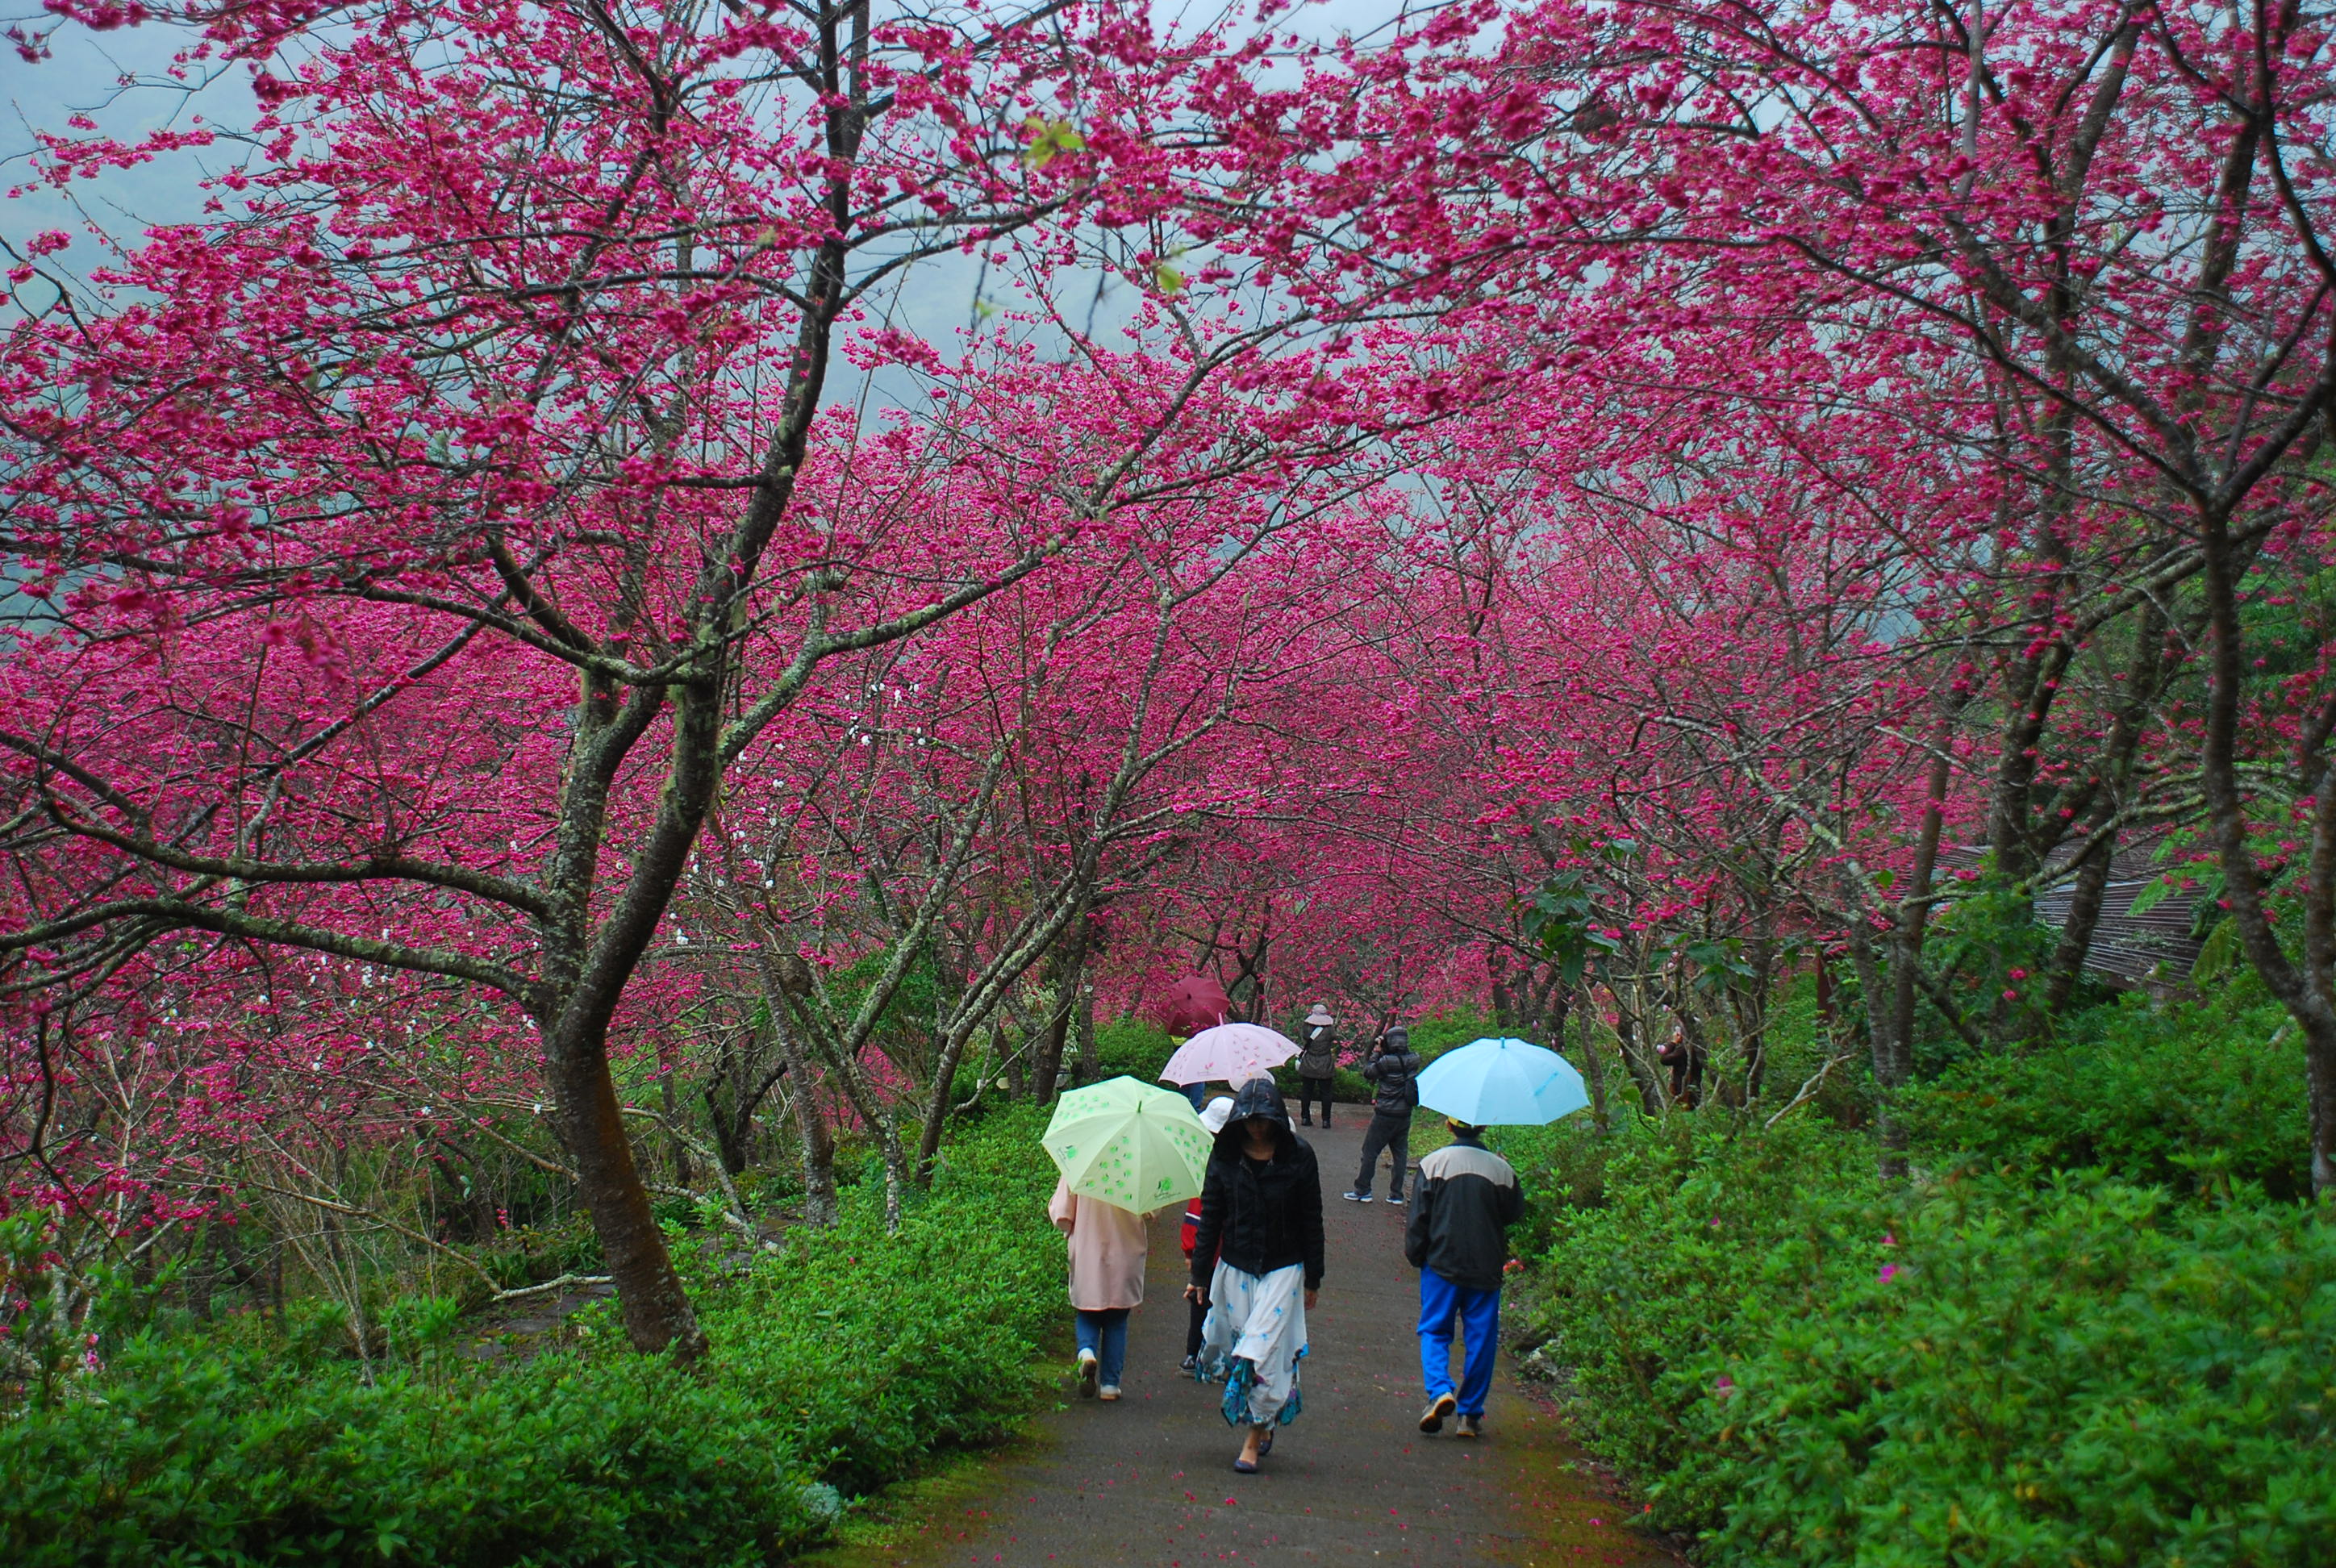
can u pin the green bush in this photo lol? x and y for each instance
(841, 1362)
(1134, 1046)
(2188, 1097)
(1695, 1229)
(1804, 1367)
(2087, 1374)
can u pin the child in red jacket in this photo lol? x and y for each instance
(1213, 1119)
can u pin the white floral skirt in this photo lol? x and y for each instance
(1252, 1342)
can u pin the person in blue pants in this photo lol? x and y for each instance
(1467, 1198)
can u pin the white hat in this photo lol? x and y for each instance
(1321, 1014)
(1217, 1113)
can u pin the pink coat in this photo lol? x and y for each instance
(1106, 1247)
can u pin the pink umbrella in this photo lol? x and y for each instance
(1231, 1053)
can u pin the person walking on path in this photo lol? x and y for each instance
(1393, 1072)
(1261, 1224)
(1469, 1196)
(1218, 1112)
(1317, 1064)
(1106, 1247)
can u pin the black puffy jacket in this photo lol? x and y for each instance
(1393, 1073)
(1260, 1217)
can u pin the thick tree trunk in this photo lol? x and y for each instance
(939, 1106)
(1090, 1059)
(1505, 1010)
(2151, 667)
(2084, 918)
(1069, 966)
(2305, 987)
(656, 1312)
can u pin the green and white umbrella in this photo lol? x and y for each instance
(1124, 1142)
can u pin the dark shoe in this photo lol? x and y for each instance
(1396, 1198)
(1244, 1467)
(1432, 1418)
(1188, 1363)
(1358, 1197)
(1471, 1427)
(1305, 1121)
(1267, 1446)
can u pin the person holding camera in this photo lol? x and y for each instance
(1393, 1073)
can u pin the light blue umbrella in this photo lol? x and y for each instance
(1502, 1083)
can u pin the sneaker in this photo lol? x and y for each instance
(1089, 1370)
(1358, 1197)
(1472, 1426)
(1432, 1418)
(1396, 1198)
(1108, 1391)
(1188, 1363)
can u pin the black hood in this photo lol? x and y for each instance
(1257, 1097)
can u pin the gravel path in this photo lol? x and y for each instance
(1148, 1480)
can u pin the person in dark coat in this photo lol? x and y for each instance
(1393, 1073)
(1685, 1064)
(1257, 1263)
(1214, 1116)
(1318, 1065)
(1469, 1198)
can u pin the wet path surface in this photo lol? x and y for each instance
(1148, 1480)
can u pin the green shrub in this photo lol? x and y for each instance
(2191, 1097)
(1562, 1168)
(1134, 1046)
(843, 1361)
(1696, 1229)
(1804, 1367)
(2087, 1374)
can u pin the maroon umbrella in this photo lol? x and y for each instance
(1193, 1003)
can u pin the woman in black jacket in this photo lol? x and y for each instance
(1261, 1221)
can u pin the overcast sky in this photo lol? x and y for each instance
(82, 77)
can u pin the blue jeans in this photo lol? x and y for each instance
(1106, 1333)
(1196, 1093)
(1479, 1312)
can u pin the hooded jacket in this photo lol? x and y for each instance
(1392, 1072)
(1260, 1218)
(1467, 1197)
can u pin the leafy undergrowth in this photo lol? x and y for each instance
(837, 1366)
(2010, 1361)
(2187, 1097)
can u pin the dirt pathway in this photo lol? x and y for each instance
(1148, 1480)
